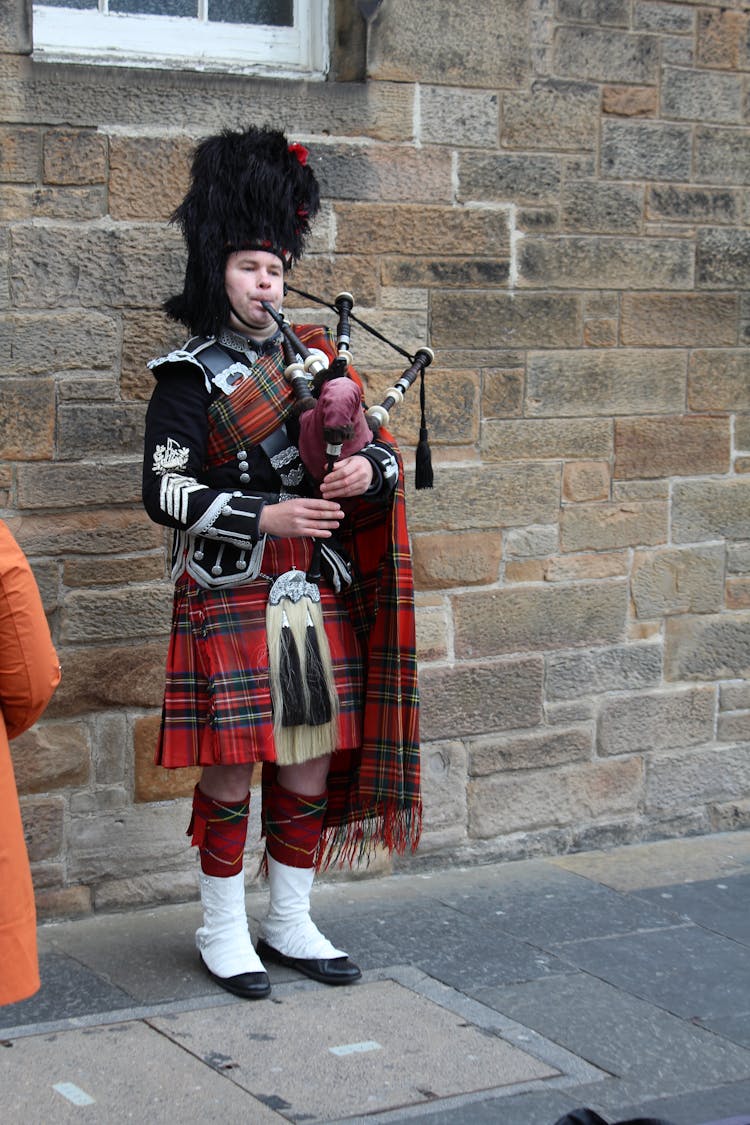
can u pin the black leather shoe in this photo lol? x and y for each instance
(250, 986)
(327, 970)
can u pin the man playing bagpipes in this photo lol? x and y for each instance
(301, 659)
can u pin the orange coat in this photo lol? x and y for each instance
(29, 674)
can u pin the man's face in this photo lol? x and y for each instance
(252, 276)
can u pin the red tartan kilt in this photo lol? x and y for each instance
(217, 700)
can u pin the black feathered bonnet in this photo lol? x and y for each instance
(249, 190)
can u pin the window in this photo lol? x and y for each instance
(280, 37)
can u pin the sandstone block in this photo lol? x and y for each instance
(385, 173)
(606, 527)
(701, 95)
(452, 407)
(440, 273)
(600, 333)
(108, 428)
(95, 265)
(152, 782)
(711, 509)
(78, 204)
(737, 593)
(586, 480)
(499, 320)
(15, 29)
(86, 533)
(609, 208)
(694, 777)
(508, 178)
(145, 837)
(76, 156)
(678, 320)
(719, 380)
(645, 150)
(738, 558)
(530, 542)
(114, 572)
(113, 753)
(605, 13)
(616, 668)
(734, 727)
(27, 420)
(541, 439)
(75, 341)
(466, 558)
(407, 43)
(707, 647)
(108, 677)
(498, 496)
(689, 445)
(575, 568)
(447, 113)
(553, 114)
(502, 392)
(656, 16)
(722, 156)
(43, 826)
(722, 38)
(20, 154)
(606, 55)
(570, 384)
(678, 581)
(638, 723)
(630, 101)
(432, 632)
(65, 486)
(540, 617)
(591, 262)
(444, 793)
(51, 756)
(477, 698)
(734, 697)
(63, 902)
(722, 257)
(524, 570)
(541, 749)
(371, 229)
(145, 335)
(93, 616)
(693, 205)
(148, 176)
(571, 794)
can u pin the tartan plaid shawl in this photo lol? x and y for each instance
(373, 791)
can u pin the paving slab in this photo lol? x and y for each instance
(122, 1073)
(359, 1050)
(687, 970)
(700, 1107)
(720, 905)
(68, 990)
(563, 907)
(664, 862)
(627, 1037)
(521, 1109)
(465, 949)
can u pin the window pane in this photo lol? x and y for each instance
(71, 4)
(279, 13)
(156, 7)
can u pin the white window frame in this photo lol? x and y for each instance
(115, 39)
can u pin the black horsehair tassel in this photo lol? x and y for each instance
(423, 476)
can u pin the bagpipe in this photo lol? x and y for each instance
(333, 423)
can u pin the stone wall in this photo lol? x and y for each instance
(555, 195)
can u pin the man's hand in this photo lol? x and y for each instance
(298, 518)
(351, 476)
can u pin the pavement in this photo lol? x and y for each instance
(507, 994)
